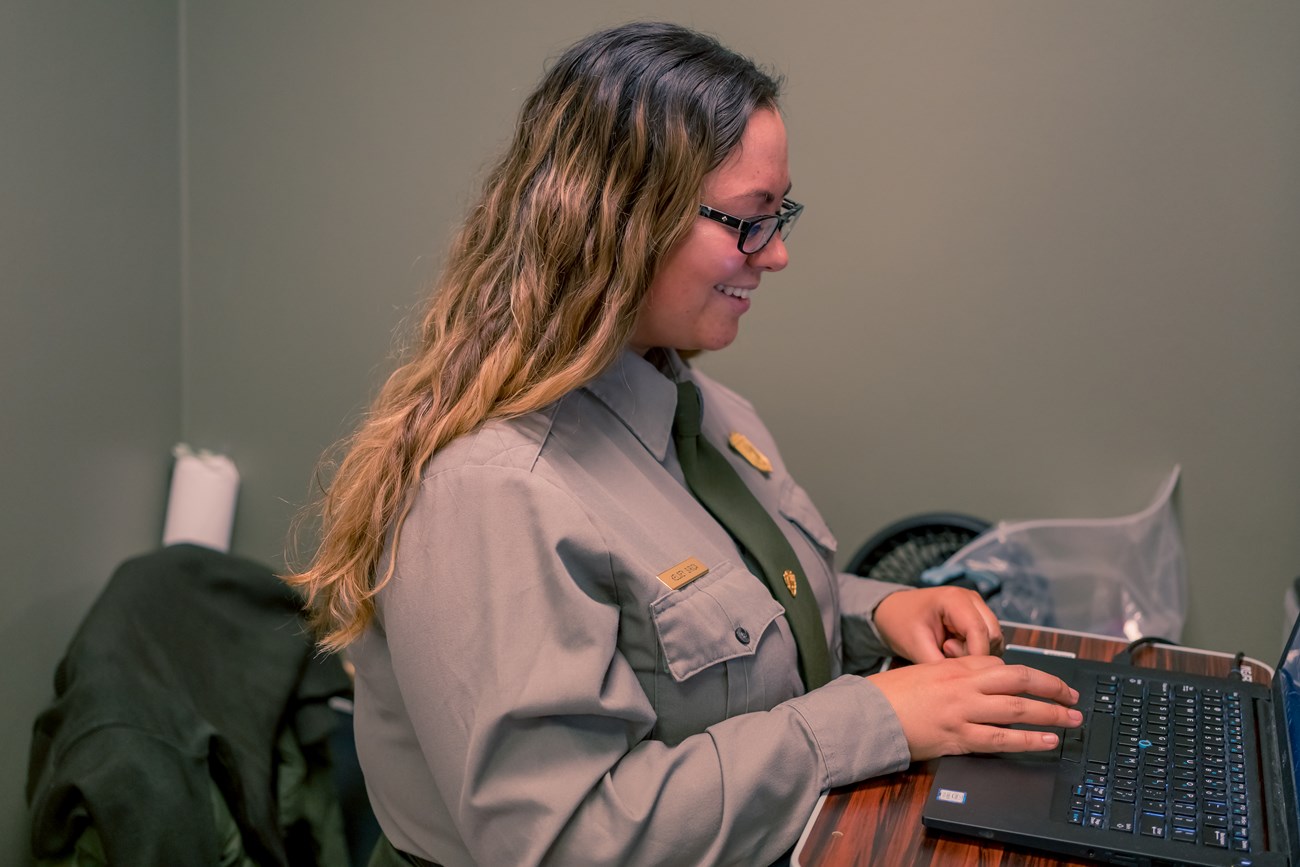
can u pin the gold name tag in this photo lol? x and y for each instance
(750, 452)
(683, 573)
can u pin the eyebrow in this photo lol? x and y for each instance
(765, 194)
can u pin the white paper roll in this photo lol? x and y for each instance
(201, 505)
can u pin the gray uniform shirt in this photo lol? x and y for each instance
(531, 692)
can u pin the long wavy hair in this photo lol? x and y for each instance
(544, 281)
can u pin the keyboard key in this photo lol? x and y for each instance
(1164, 761)
(1154, 826)
(1121, 818)
(1099, 738)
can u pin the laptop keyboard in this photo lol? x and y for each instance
(1164, 761)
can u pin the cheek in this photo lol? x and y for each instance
(708, 254)
(716, 266)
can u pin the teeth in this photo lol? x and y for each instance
(734, 291)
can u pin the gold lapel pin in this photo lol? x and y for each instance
(750, 452)
(791, 583)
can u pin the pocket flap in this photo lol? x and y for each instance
(798, 507)
(706, 622)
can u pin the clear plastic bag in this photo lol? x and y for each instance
(1116, 576)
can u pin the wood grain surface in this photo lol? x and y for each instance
(878, 822)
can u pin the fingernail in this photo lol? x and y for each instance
(1049, 739)
(1075, 716)
(1074, 695)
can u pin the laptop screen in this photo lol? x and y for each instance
(1286, 695)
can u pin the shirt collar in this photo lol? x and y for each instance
(642, 396)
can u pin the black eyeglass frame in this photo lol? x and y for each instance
(785, 218)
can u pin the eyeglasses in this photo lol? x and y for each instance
(756, 232)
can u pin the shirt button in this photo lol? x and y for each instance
(742, 635)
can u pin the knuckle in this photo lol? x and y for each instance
(1000, 739)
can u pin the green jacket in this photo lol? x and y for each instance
(190, 725)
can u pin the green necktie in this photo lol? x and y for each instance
(718, 487)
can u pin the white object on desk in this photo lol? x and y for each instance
(201, 505)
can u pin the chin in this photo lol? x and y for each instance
(714, 341)
(716, 344)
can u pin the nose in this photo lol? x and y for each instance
(773, 257)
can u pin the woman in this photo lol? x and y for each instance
(562, 655)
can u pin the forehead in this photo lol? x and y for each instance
(758, 169)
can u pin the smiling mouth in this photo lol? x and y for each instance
(734, 291)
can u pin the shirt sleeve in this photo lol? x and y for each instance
(502, 622)
(863, 646)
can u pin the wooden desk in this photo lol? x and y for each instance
(878, 822)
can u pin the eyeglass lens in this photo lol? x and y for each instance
(761, 230)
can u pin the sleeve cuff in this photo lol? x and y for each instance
(855, 729)
(858, 600)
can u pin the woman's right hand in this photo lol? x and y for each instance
(963, 705)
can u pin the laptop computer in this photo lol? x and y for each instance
(1168, 768)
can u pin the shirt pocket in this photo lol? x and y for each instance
(798, 508)
(717, 617)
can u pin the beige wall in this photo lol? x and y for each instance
(1051, 249)
(89, 329)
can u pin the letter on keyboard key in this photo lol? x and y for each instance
(1151, 826)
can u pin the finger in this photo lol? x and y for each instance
(992, 628)
(925, 647)
(995, 739)
(977, 637)
(996, 641)
(998, 645)
(955, 648)
(1021, 679)
(965, 618)
(1015, 709)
